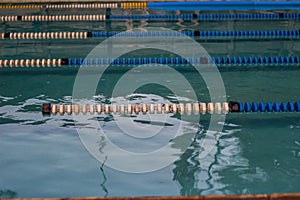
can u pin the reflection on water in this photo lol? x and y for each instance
(206, 176)
(8, 194)
(242, 161)
(141, 24)
(183, 27)
(130, 142)
(102, 184)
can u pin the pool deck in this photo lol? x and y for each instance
(294, 196)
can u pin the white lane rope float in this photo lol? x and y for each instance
(41, 18)
(31, 63)
(44, 35)
(81, 6)
(130, 109)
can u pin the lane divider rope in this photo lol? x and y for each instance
(255, 34)
(125, 5)
(133, 62)
(166, 17)
(206, 5)
(181, 108)
(224, 5)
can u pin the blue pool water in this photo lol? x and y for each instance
(43, 156)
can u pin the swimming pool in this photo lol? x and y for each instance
(43, 156)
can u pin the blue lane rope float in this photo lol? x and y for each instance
(197, 34)
(164, 17)
(174, 61)
(210, 17)
(265, 106)
(187, 108)
(225, 5)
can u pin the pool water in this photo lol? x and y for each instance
(43, 156)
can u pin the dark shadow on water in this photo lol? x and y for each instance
(5, 193)
(102, 184)
(153, 123)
